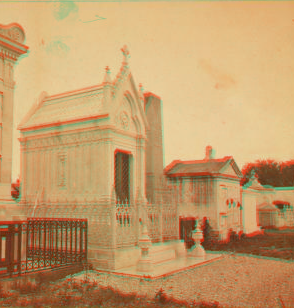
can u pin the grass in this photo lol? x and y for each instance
(72, 293)
(277, 244)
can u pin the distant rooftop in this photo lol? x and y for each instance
(207, 166)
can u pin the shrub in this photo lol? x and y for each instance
(233, 236)
(161, 296)
(25, 286)
(206, 229)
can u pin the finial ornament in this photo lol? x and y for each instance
(141, 88)
(126, 53)
(141, 91)
(107, 78)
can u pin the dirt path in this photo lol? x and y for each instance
(236, 281)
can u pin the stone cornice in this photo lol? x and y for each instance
(54, 124)
(7, 54)
(45, 142)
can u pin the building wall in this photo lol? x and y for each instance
(250, 215)
(196, 197)
(71, 175)
(207, 197)
(70, 165)
(276, 218)
(229, 211)
(76, 166)
(283, 194)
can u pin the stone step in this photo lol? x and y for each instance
(162, 255)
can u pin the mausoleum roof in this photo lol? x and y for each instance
(92, 103)
(203, 167)
(267, 207)
(65, 108)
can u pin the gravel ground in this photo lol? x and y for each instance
(234, 281)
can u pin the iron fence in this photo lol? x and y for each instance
(42, 243)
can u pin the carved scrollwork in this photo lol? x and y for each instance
(13, 32)
(124, 121)
(64, 140)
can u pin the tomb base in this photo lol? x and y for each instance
(114, 259)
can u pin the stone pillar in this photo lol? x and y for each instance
(95, 167)
(91, 173)
(23, 172)
(71, 170)
(108, 167)
(11, 49)
(154, 146)
(78, 168)
(142, 175)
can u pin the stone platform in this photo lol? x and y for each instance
(166, 268)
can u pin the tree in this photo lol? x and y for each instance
(270, 172)
(287, 171)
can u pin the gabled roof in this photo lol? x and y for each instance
(65, 108)
(85, 104)
(267, 207)
(202, 167)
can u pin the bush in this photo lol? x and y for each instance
(161, 296)
(207, 231)
(208, 305)
(233, 236)
(25, 286)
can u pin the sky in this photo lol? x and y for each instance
(224, 70)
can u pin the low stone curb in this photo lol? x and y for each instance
(249, 255)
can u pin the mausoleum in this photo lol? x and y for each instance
(90, 153)
(210, 188)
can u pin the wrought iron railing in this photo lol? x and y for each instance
(154, 222)
(125, 224)
(42, 243)
(10, 247)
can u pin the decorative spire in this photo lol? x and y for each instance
(107, 76)
(141, 89)
(126, 54)
(141, 92)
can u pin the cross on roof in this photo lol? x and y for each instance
(126, 53)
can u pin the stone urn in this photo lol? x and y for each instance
(145, 263)
(197, 251)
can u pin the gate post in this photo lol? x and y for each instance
(23, 243)
(9, 249)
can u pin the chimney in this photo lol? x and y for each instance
(209, 153)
